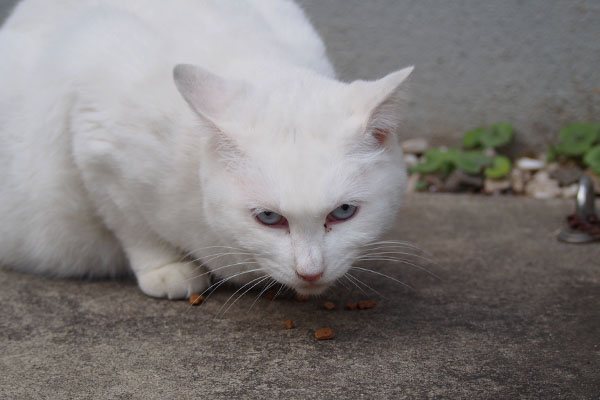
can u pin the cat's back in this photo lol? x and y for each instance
(212, 33)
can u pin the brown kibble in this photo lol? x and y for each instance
(289, 324)
(196, 299)
(365, 304)
(301, 298)
(351, 305)
(324, 334)
(270, 294)
(329, 305)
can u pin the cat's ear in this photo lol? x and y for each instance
(211, 97)
(208, 94)
(384, 98)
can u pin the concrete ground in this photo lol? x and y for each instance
(514, 314)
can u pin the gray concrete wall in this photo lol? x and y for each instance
(534, 63)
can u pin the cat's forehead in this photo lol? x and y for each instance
(303, 120)
(305, 178)
(300, 144)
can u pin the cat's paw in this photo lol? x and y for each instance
(174, 281)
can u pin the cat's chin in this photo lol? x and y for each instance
(311, 289)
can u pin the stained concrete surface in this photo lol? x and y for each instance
(512, 314)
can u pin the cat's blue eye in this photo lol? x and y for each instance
(270, 218)
(343, 212)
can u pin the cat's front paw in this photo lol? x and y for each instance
(174, 281)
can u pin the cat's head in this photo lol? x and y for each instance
(302, 172)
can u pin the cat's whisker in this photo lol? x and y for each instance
(381, 274)
(206, 259)
(220, 282)
(382, 242)
(243, 262)
(408, 250)
(257, 280)
(398, 243)
(267, 287)
(398, 260)
(361, 282)
(213, 287)
(354, 283)
(383, 253)
(199, 249)
(191, 252)
(339, 280)
(281, 287)
(200, 265)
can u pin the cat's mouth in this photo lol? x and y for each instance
(311, 288)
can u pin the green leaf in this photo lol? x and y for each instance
(592, 159)
(500, 168)
(421, 186)
(576, 139)
(471, 138)
(435, 160)
(471, 161)
(498, 135)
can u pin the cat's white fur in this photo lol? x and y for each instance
(113, 160)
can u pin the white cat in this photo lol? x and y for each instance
(144, 135)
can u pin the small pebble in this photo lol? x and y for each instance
(328, 305)
(542, 187)
(518, 179)
(324, 334)
(414, 146)
(458, 179)
(289, 324)
(567, 175)
(496, 185)
(196, 299)
(530, 164)
(410, 160)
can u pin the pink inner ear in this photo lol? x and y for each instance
(380, 135)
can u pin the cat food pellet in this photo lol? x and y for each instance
(365, 304)
(196, 299)
(329, 305)
(289, 324)
(301, 298)
(324, 334)
(351, 305)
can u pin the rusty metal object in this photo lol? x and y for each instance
(584, 224)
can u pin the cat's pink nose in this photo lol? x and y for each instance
(309, 278)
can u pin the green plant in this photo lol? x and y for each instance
(473, 161)
(441, 160)
(434, 162)
(500, 167)
(492, 136)
(592, 159)
(576, 139)
(421, 186)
